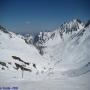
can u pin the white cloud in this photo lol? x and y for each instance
(28, 22)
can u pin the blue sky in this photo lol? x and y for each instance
(40, 15)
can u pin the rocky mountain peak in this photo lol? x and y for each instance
(3, 29)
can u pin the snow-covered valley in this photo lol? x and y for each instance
(57, 60)
(61, 83)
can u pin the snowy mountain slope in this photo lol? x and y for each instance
(80, 71)
(67, 47)
(64, 51)
(17, 56)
